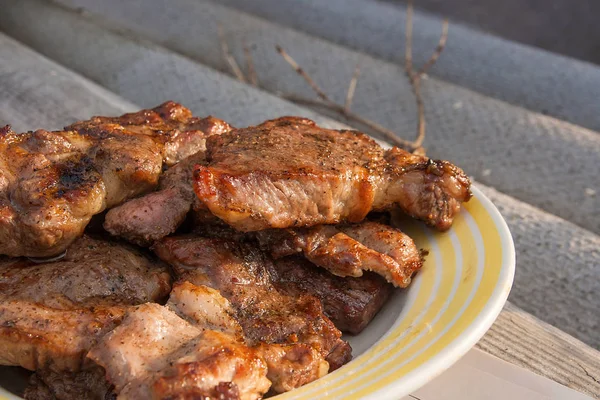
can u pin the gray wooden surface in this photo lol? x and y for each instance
(558, 261)
(521, 339)
(518, 74)
(30, 99)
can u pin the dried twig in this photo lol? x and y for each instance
(235, 68)
(252, 77)
(389, 134)
(351, 89)
(415, 79)
(302, 73)
(325, 102)
(438, 50)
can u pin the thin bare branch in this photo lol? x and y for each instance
(326, 102)
(421, 114)
(408, 39)
(352, 89)
(390, 135)
(302, 73)
(252, 77)
(415, 80)
(235, 68)
(438, 50)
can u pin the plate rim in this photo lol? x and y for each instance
(452, 353)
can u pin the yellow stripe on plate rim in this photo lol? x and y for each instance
(442, 323)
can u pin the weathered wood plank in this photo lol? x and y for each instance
(521, 339)
(522, 75)
(38, 93)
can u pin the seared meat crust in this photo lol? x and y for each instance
(52, 313)
(94, 272)
(241, 273)
(52, 183)
(34, 336)
(290, 173)
(157, 354)
(89, 384)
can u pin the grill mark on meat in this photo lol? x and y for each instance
(322, 177)
(52, 183)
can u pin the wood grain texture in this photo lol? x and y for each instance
(39, 93)
(521, 339)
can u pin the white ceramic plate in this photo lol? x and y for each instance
(426, 328)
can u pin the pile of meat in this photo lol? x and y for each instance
(158, 255)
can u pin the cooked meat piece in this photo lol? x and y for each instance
(241, 273)
(148, 218)
(289, 366)
(52, 183)
(290, 173)
(170, 124)
(204, 306)
(292, 365)
(156, 354)
(51, 314)
(35, 336)
(89, 384)
(351, 303)
(156, 215)
(350, 249)
(94, 272)
(141, 344)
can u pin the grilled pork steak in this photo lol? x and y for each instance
(289, 172)
(51, 314)
(241, 273)
(173, 352)
(350, 249)
(52, 183)
(350, 303)
(289, 366)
